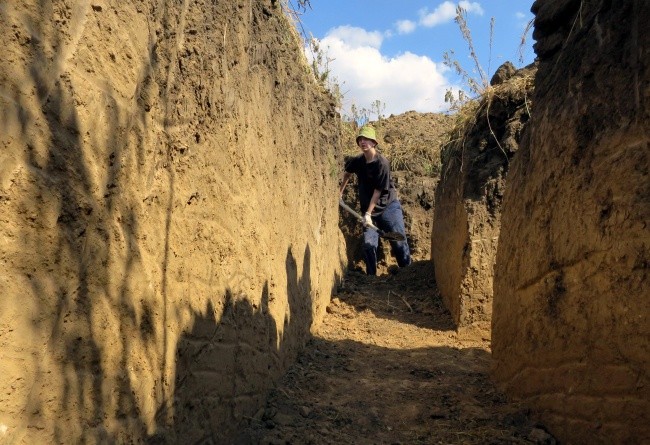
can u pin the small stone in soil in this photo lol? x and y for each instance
(283, 419)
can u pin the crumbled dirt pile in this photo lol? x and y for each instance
(412, 142)
(386, 367)
(475, 162)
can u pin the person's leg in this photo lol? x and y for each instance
(392, 220)
(370, 243)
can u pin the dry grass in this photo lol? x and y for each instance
(517, 88)
(293, 10)
(410, 141)
(412, 155)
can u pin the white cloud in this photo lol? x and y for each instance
(402, 83)
(446, 12)
(443, 13)
(356, 37)
(471, 7)
(520, 15)
(405, 26)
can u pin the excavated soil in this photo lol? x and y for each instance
(386, 367)
(168, 238)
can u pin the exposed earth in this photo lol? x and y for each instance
(387, 367)
(169, 240)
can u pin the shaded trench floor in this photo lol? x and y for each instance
(387, 367)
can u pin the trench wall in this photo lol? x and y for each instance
(570, 331)
(168, 216)
(466, 219)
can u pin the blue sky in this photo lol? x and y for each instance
(392, 51)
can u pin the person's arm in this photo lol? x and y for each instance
(373, 201)
(346, 178)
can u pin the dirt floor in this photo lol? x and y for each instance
(387, 367)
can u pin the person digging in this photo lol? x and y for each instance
(379, 202)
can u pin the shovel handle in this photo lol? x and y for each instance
(393, 236)
(357, 216)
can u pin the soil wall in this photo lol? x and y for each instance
(468, 197)
(571, 333)
(168, 216)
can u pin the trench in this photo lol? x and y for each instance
(387, 367)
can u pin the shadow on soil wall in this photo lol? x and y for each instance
(61, 244)
(121, 224)
(224, 367)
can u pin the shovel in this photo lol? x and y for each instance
(392, 236)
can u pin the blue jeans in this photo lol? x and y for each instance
(391, 220)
